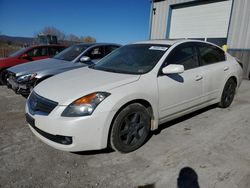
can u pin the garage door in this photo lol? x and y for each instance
(200, 21)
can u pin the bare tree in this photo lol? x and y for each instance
(50, 30)
(73, 38)
(88, 39)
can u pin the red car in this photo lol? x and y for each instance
(26, 55)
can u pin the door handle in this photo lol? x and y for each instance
(198, 77)
(226, 68)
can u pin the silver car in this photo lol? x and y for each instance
(23, 78)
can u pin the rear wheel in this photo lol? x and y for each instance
(130, 128)
(228, 93)
(3, 77)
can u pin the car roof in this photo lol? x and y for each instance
(159, 41)
(169, 41)
(46, 45)
(95, 44)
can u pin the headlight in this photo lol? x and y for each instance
(85, 106)
(26, 77)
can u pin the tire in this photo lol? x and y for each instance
(3, 77)
(228, 93)
(130, 128)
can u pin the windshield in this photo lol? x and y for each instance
(17, 53)
(132, 59)
(69, 54)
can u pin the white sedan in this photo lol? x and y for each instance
(129, 93)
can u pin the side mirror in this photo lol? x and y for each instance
(85, 59)
(173, 69)
(25, 56)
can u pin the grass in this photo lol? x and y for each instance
(7, 49)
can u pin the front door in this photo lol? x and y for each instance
(179, 92)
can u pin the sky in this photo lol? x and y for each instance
(119, 21)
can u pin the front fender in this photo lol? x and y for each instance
(136, 98)
(114, 103)
(143, 89)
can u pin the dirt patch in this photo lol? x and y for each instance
(213, 143)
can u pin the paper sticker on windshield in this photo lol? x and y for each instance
(161, 48)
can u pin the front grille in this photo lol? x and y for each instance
(40, 105)
(12, 74)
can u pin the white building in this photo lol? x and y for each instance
(218, 21)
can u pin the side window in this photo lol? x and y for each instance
(54, 50)
(183, 55)
(44, 51)
(109, 49)
(210, 54)
(96, 53)
(36, 52)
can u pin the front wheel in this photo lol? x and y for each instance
(228, 93)
(3, 77)
(130, 128)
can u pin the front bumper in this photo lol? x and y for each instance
(19, 88)
(72, 133)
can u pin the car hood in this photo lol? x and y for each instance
(3, 59)
(7, 60)
(39, 65)
(67, 87)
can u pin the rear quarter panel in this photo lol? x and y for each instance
(235, 70)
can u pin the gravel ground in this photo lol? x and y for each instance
(209, 148)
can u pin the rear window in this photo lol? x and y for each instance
(109, 49)
(37, 52)
(210, 54)
(55, 50)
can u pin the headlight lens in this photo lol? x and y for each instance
(86, 105)
(26, 77)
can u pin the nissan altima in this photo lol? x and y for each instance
(130, 92)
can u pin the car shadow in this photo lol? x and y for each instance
(183, 118)
(94, 152)
(156, 132)
(176, 77)
(147, 186)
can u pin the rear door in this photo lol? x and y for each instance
(215, 69)
(179, 92)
